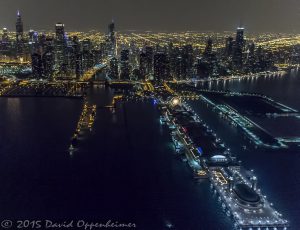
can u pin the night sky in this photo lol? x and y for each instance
(155, 15)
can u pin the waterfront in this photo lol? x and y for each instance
(131, 173)
(277, 170)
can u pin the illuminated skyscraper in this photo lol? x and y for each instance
(87, 57)
(250, 59)
(33, 41)
(112, 42)
(5, 44)
(60, 47)
(240, 37)
(37, 65)
(76, 57)
(238, 49)
(19, 35)
(43, 60)
(149, 57)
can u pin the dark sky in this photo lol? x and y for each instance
(155, 15)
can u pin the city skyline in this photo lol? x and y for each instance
(155, 16)
(140, 114)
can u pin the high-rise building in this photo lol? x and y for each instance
(238, 49)
(125, 69)
(37, 65)
(112, 42)
(188, 61)
(33, 41)
(87, 56)
(179, 66)
(149, 57)
(161, 67)
(42, 61)
(240, 37)
(48, 64)
(76, 57)
(202, 68)
(114, 69)
(250, 59)
(19, 35)
(143, 65)
(60, 47)
(209, 62)
(5, 43)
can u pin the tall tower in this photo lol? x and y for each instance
(239, 47)
(60, 47)
(19, 34)
(112, 39)
(240, 36)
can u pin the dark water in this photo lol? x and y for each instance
(125, 169)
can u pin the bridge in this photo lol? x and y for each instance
(89, 74)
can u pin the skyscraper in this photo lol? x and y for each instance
(250, 61)
(5, 44)
(188, 61)
(60, 47)
(125, 71)
(149, 57)
(114, 69)
(209, 62)
(112, 39)
(238, 49)
(143, 64)
(87, 57)
(37, 65)
(19, 35)
(76, 57)
(161, 67)
(42, 60)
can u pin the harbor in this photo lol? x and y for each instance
(209, 158)
(247, 112)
